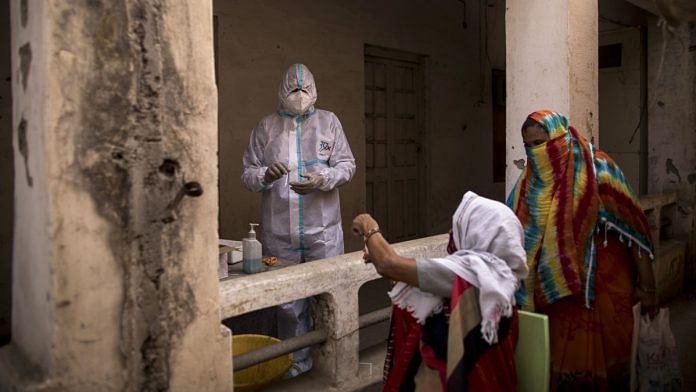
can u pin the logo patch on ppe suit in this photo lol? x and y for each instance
(324, 149)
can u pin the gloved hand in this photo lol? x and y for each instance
(314, 181)
(275, 171)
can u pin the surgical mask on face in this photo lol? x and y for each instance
(298, 102)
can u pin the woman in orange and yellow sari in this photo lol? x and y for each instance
(589, 253)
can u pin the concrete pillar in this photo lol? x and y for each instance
(337, 359)
(114, 275)
(551, 52)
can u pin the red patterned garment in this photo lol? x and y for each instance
(466, 341)
(451, 343)
(591, 348)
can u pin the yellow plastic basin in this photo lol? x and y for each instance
(263, 374)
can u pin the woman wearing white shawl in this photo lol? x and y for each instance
(458, 308)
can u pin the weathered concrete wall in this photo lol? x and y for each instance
(672, 120)
(551, 63)
(6, 173)
(259, 40)
(115, 276)
(30, 271)
(620, 103)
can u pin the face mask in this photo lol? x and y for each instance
(298, 102)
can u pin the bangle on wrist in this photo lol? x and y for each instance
(370, 233)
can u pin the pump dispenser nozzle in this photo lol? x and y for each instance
(252, 233)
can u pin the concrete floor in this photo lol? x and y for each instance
(682, 311)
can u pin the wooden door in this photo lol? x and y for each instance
(393, 132)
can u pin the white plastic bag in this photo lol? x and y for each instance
(657, 365)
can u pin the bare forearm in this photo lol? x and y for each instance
(389, 264)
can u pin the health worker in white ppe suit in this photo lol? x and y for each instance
(297, 158)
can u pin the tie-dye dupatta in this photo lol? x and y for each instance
(568, 190)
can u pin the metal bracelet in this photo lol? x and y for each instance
(370, 233)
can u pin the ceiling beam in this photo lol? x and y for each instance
(648, 5)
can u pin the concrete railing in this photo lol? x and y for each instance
(670, 247)
(335, 283)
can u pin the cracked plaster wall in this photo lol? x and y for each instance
(115, 282)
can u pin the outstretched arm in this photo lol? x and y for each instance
(387, 262)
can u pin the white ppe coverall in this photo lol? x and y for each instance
(296, 227)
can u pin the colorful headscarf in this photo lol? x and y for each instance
(568, 190)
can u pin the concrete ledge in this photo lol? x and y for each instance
(657, 200)
(259, 291)
(669, 269)
(335, 283)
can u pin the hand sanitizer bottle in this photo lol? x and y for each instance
(251, 252)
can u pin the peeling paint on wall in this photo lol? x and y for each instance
(24, 148)
(589, 124)
(25, 63)
(691, 178)
(671, 169)
(138, 173)
(520, 163)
